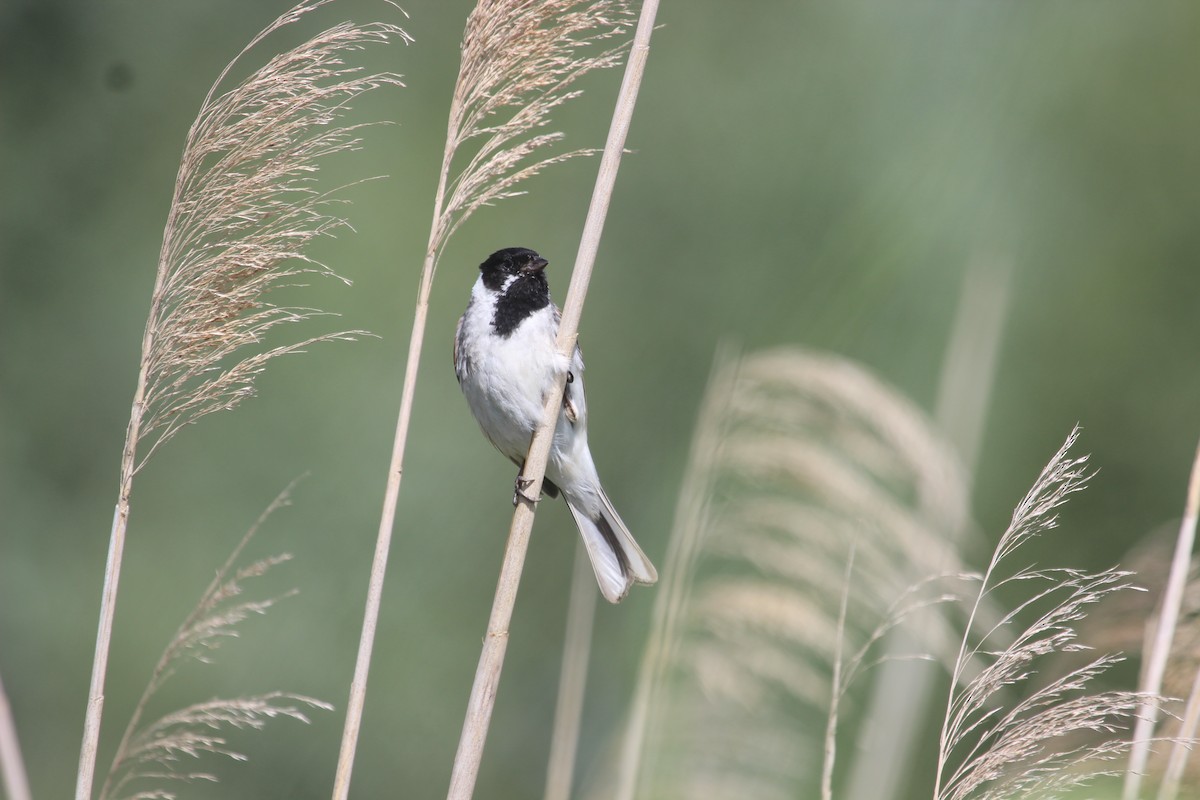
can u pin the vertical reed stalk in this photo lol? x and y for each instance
(903, 687)
(491, 659)
(572, 682)
(1160, 649)
(116, 540)
(836, 689)
(108, 606)
(383, 538)
(1181, 748)
(12, 765)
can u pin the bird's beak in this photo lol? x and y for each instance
(537, 265)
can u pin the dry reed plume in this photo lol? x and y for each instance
(799, 458)
(150, 754)
(244, 213)
(519, 61)
(988, 750)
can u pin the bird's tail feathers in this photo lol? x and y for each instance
(616, 558)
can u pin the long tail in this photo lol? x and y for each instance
(616, 558)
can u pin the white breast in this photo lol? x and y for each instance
(508, 377)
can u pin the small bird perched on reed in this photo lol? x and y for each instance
(506, 360)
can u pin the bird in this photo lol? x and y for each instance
(506, 360)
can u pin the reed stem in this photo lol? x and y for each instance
(12, 766)
(572, 682)
(1160, 650)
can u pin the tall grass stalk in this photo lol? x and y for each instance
(835, 694)
(12, 765)
(1160, 648)
(572, 681)
(491, 659)
(973, 348)
(243, 213)
(519, 62)
(903, 688)
(1181, 748)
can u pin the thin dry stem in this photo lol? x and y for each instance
(487, 675)
(12, 765)
(835, 694)
(1181, 749)
(243, 214)
(577, 647)
(902, 689)
(1160, 650)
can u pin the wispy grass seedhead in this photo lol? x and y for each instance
(157, 752)
(989, 750)
(245, 212)
(520, 61)
(153, 753)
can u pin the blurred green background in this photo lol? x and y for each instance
(813, 173)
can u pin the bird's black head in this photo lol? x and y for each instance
(508, 263)
(518, 275)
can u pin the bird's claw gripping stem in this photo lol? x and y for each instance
(519, 487)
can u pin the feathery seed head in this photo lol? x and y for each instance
(519, 62)
(245, 211)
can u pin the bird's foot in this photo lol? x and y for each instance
(519, 487)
